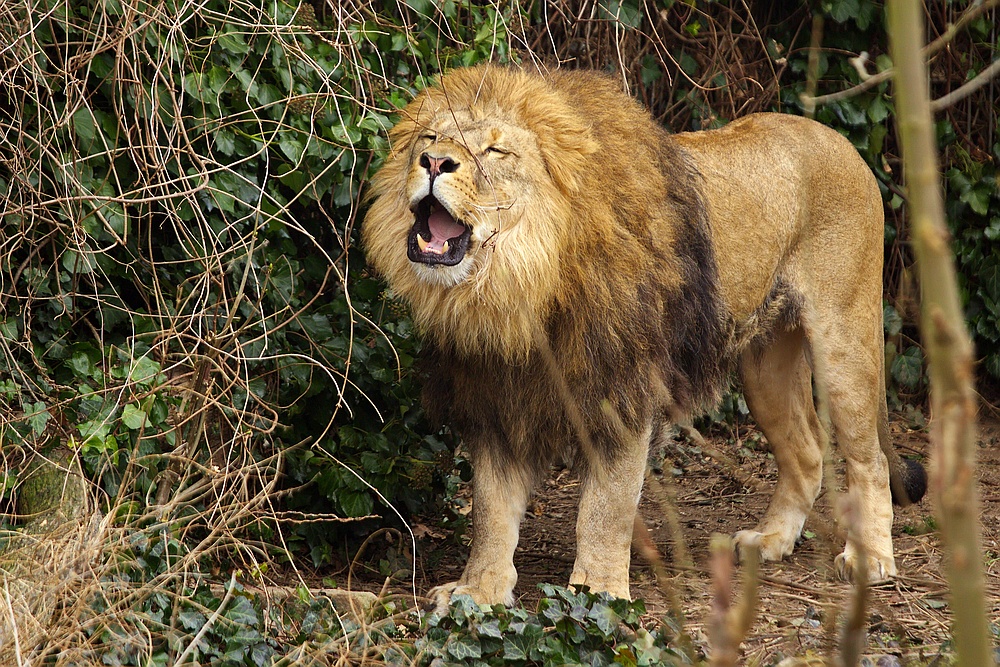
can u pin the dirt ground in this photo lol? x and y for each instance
(800, 597)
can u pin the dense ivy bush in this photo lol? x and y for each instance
(180, 195)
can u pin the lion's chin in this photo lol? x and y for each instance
(443, 275)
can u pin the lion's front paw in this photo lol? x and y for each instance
(772, 546)
(441, 596)
(876, 568)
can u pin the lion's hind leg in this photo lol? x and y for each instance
(850, 352)
(777, 384)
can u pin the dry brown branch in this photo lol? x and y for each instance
(853, 632)
(968, 88)
(971, 14)
(730, 623)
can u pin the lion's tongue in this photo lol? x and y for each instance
(443, 227)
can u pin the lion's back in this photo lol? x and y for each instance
(790, 188)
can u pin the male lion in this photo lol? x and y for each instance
(580, 275)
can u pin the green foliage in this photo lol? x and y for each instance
(232, 625)
(186, 620)
(568, 628)
(973, 211)
(183, 279)
(185, 615)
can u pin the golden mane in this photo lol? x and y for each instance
(522, 272)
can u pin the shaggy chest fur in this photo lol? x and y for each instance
(598, 368)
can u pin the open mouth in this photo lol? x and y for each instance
(436, 237)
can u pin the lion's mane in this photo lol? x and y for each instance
(604, 292)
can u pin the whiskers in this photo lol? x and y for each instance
(493, 208)
(483, 218)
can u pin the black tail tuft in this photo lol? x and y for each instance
(912, 479)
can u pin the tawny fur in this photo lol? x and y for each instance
(613, 274)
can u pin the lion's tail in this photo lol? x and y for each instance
(907, 477)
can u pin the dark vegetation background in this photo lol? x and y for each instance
(184, 308)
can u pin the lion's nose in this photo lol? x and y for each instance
(438, 165)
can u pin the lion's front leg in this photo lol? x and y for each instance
(499, 498)
(608, 502)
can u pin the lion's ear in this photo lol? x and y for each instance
(401, 134)
(565, 141)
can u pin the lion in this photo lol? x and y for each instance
(580, 277)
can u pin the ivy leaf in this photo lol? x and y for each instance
(261, 654)
(958, 180)
(83, 126)
(978, 198)
(906, 368)
(144, 372)
(688, 64)
(993, 231)
(9, 329)
(650, 71)
(990, 278)
(81, 365)
(516, 647)
(225, 141)
(317, 325)
(878, 110)
(891, 320)
(233, 42)
(355, 503)
(465, 647)
(223, 199)
(625, 12)
(551, 609)
(191, 620)
(38, 416)
(841, 10)
(992, 364)
(604, 617)
(134, 418)
(490, 628)
(292, 148)
(849, 113)
(114, 215)
(242, 613)
(80, 263)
